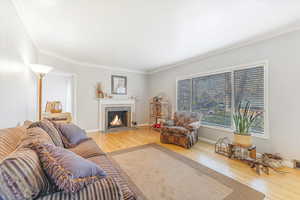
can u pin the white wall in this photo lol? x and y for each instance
(284, 96)
(58, 87)
(87, 78)
(16, 81)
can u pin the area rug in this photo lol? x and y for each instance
(161, 174)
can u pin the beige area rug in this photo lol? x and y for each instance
(161, 174)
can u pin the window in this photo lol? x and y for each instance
(249, 86)
(211, 95)
(217, 95)
(184, 95)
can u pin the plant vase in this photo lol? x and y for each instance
(244, 140)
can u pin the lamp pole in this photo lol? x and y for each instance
(40, 71)
(40, 94)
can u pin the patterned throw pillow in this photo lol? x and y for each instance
(71, 134)
(35, 135)
(67, 170)
(22, 177)
(48, 126)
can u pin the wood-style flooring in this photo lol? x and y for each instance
(275, 186)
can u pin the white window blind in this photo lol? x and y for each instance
(184, 95)
(211, 95)
(217, 95)
(249, 86)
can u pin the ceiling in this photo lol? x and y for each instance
(144, 35)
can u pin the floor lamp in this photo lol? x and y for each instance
(40, 71)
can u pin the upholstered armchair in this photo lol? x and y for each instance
(182, 130)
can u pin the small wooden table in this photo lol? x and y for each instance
(58, 117)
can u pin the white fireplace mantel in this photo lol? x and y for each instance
(104, 103)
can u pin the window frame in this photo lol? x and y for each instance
(231, 69)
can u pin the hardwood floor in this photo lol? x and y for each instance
(275, 186)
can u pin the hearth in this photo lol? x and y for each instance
(117, 118)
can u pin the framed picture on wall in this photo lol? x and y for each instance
(119, 85)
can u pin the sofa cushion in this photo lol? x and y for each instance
(35, 135)
(87, 149)
(48, 126)
(22, 177)
(104, 189)
(67, 170)
(72, 134)
(10, 139)
(112, 170)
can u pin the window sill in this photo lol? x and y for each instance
(228, 130)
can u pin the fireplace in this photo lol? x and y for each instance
(117, 118)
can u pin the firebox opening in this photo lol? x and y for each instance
(117, 119)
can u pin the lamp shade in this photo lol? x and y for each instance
(40, 69)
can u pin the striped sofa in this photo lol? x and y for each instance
(114, 187)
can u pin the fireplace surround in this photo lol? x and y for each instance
(126, 106)
(117, 117)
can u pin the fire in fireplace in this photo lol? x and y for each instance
(117, 119)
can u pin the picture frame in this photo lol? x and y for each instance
(118, 85)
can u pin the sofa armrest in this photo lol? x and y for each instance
(109, 187)
(104, 189)
(169, 122)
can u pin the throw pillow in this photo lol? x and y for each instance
(67, 170)
(22, 177)
(48, 126)
(35, 135)
(72, 134)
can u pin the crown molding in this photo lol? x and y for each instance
(263, 37)
(20, 16)
(86, 64)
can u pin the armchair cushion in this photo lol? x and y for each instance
(186, 118)
(176, 130)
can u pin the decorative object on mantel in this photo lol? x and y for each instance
(119, 85)
(243, 118)
(223, 147)
(159, 110)
(99, 91)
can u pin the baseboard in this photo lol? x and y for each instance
(207, 140)
(92, 130)
(143, 125)
(288, 163)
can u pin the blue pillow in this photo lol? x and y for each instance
(72, 133)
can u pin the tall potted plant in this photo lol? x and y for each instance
(243, 118)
